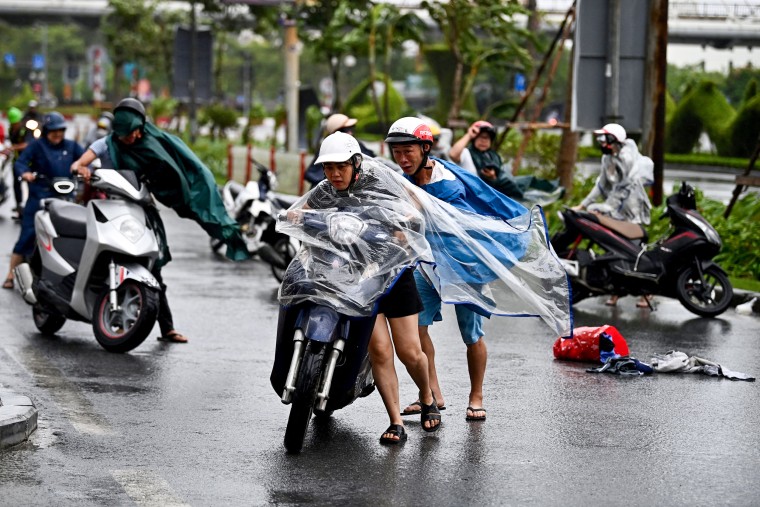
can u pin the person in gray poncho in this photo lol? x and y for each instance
(621, 183)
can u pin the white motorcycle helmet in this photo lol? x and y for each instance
(340, 147)
(614, 130)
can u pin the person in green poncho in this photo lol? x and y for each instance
(178, 179)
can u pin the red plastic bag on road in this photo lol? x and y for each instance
(591, 344)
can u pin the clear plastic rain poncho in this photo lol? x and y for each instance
(355, 244)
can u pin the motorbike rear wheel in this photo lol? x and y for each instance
(128, 326)
(706, 296)
(307, 384)
(47, 323)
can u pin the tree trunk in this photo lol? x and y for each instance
(568, 147)
(456, 101)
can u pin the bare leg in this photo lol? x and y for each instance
(477, 357)
(405, 332)
(429, 350)
(16, 259)
(384, 370)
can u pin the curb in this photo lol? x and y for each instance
(743, 296)
(18, 418)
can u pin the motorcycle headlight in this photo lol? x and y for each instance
(345, 228)
(708, 230)
(132, 229)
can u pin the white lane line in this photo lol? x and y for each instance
(69, 398)
(146, 488)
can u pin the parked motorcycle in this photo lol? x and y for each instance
(606, 256)
(255, 206)
(93, 263)
(321, 358)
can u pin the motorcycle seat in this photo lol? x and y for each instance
(627, 229)
(69, 219)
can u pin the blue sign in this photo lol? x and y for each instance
(520, 82)
(9, 59)
(38, 62)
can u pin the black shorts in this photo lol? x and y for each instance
(403, 299)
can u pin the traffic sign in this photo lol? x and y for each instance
(9, 59)
(38, 62)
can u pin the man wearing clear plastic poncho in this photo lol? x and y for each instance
(492, 256)
(479, 261)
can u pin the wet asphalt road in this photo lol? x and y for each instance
(199, 424)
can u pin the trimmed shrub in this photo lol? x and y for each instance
(703, 108)
(745, 129)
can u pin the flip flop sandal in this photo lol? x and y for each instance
(419, 410)
(8, 283)
(476, 417)
(430, 413)
(397, 430)
(173, 337)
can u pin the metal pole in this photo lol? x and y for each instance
(193, 72)
(44, 62)
(247, 85)
(292, 83)
(659, 20)
(612, 70)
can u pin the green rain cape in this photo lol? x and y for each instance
(178, 179)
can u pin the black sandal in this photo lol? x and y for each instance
(396, 430)
(430, 413)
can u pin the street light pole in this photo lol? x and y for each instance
(292, 83)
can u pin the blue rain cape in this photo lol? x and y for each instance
(481, 249)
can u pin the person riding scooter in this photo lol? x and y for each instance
(50, 156)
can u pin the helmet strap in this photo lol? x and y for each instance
(425, 159)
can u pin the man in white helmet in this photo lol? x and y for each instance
(410, 141)
(621, 183)
(340, 156)
(337, 122)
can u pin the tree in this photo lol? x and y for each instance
(131, 36)
(329, 27)
(479, 33)
(387, 27)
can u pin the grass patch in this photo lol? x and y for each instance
(745, 284)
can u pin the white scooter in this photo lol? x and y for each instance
(255, 207)
(93, 263)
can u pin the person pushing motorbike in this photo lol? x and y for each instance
(176, 178)
(341, 158)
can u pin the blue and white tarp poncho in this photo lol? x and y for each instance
(490, 253)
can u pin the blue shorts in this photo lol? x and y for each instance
(470, 323)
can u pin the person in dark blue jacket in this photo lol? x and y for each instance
(51, 156)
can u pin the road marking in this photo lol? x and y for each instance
(146, 488)
(69, 398)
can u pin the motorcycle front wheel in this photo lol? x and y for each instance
(127, 326)
(706, 296)
(302, 407)
(287, 251)
(47, 323)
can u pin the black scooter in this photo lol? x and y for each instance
(321, 358)
(606, 256)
